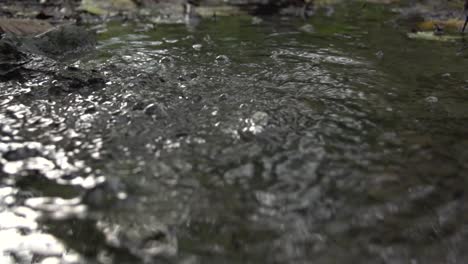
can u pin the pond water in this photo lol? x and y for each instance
(331, 140)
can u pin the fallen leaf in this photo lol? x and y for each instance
(23, 27)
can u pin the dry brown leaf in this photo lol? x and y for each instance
(23, 27)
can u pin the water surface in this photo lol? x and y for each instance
(241, 142)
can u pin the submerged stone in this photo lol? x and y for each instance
(64, 43)
(75, 79)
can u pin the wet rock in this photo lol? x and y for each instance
(430, 15)
(104, 7)
(41, 53)
(301, 8)
(218, 8)
(11, 59)
(64, 43)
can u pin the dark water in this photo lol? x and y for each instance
(238, 142)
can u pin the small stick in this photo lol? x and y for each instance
(464, 25)
(465, 11)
